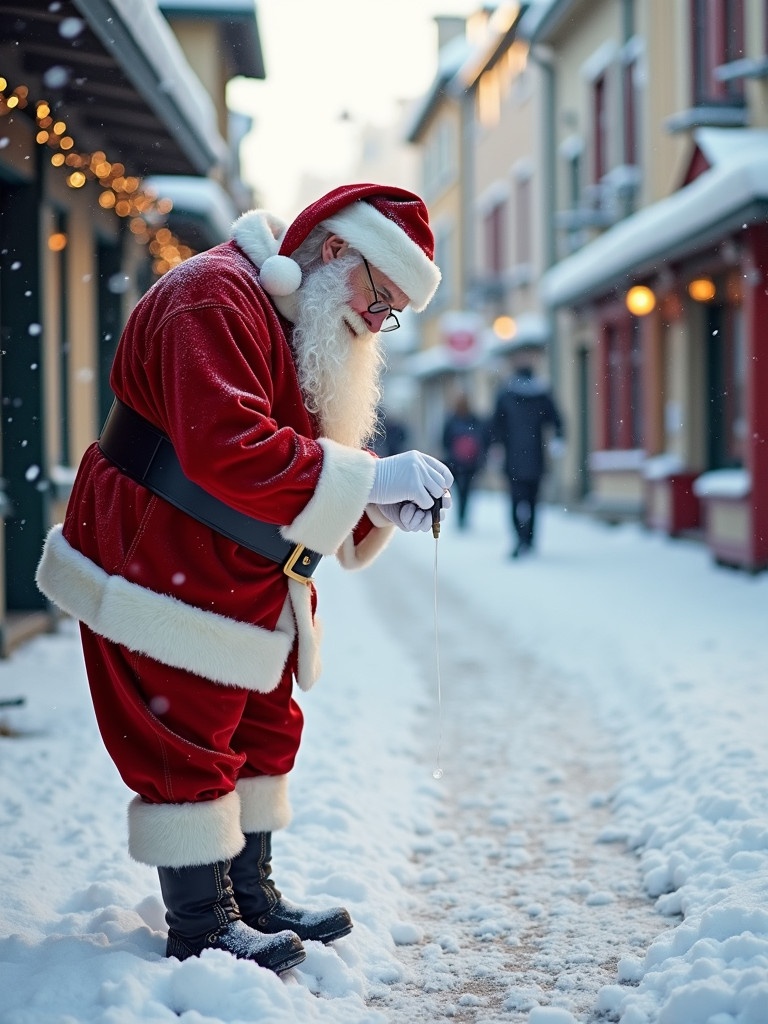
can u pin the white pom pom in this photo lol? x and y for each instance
(280, 275)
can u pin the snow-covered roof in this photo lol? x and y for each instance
(148, 51)
(450, 59)
(732, 193)
(221, 8)
(723, 483)
(430, 362)
(535, 15)
(501, 30)
(531, 329)
(542, 15)
(239, 29)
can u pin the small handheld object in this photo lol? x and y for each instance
(438, 771)
(436, 517)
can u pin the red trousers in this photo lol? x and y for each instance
(176, 737)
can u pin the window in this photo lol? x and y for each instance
(599, 127)
(623, 426)
(717, 37)
(59, 272)
(613, 394)
(574, 180)
(629, 101)
(523, 214)
(635, 381)
(494, 230)
(439, 164)
(726, 399)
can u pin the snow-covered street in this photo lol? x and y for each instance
(597, 848)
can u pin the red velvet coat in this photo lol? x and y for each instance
(206, 358)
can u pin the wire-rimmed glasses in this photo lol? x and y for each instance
(391, 323)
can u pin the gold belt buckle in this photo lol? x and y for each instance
(293, 558)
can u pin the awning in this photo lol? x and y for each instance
(115, 72)
(238, 26)
(730, 196)
(202, 214)
(532, 330)
(430, 362)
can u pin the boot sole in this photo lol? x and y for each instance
(292, 961)
(339, 934)
(178, 950)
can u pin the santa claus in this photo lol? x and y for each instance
(234, 458)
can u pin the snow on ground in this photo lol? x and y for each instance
(597, 848)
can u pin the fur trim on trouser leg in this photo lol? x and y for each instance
(264, 803)
(185, 835)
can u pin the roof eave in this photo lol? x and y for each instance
(184, 107)
(580, 294)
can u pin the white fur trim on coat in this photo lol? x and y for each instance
(338, 502)
(384, 244)
(357, 556)
(264, 803)
(214, 646)
(310, 632)
(185, 835)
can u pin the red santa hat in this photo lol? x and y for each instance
(387, 225)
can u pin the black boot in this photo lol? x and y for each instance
(202, 914)
(264, 908)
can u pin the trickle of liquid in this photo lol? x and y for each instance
(438, 772)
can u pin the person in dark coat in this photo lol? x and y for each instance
(464, 443)
(524, 410)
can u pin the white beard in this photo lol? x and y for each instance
(339, 374)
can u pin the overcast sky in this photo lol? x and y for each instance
(323, 60)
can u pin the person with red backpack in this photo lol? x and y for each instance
(465, 444)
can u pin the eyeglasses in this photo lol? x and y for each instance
(391, 323)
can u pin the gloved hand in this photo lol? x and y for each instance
(407, 516)
(410, 476)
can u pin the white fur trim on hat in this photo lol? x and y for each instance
(280, 275)
(258, 233)
(384, 244)
(185, 835)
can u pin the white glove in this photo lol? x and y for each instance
(409, 476)
(407, 516)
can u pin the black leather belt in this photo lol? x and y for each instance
(147, 456)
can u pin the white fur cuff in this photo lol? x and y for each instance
(264, 803)
(185, 835)
(339, 499)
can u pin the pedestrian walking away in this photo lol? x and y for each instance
(464, 445)
(234, 458)
(524, 414)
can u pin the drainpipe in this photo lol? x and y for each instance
(627, 20)
(544, 57)
(466, 194)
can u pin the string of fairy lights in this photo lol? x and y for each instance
(121, 193)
